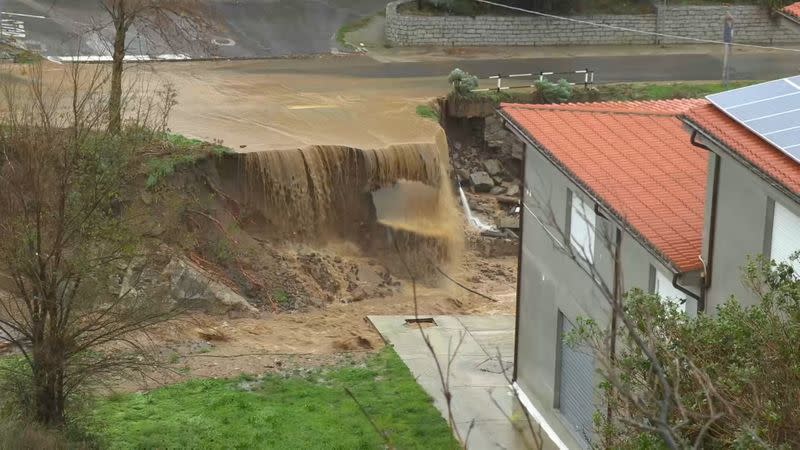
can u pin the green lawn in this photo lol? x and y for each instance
(279, 412)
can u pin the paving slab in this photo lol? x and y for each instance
(481, 395)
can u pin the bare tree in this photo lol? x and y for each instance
(177, 24)
(76, 310)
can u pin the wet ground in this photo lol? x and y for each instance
(266, 105)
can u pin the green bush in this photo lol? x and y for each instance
(734, 375)
(550, 92)
(463, 83)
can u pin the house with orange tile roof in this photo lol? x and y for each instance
(613, 199)
(670, 197)
(792, 11)
(753, 199)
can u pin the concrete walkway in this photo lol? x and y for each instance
(479, 389)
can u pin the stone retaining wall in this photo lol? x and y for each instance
(754, 25)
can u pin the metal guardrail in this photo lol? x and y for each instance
(588, 79)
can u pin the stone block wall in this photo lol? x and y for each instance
(753, 25)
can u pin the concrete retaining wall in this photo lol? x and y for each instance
(753, 25)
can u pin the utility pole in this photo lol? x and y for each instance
(727, 37)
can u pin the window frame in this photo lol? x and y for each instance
(588, 221)
(776, 209)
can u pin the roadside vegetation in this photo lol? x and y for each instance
(306, 410)
(561, 92)
(350, 27)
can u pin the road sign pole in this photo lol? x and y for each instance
(725, 67)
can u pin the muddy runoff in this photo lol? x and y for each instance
(395, 202)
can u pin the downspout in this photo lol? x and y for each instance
(616, 304)
(519, 253)
(708, 265)
(684, 290)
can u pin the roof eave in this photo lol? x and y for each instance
(718, 143)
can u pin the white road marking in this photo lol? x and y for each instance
(312, 107)
(138, 58)
(22, 15)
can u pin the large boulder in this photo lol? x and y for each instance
(513, 190)
(191, 285)
(481, 181)
(500, 139)
(493, 167)
(510, 222)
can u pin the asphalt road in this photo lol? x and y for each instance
(272, 28)
(656, 67)
(245, 28)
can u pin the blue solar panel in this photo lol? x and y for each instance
(771, 110)
(766, 107)
(786, 138)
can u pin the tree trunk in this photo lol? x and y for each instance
(48, 388)
(115, 101)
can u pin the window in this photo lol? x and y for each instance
(785, 236)
(662, 285)
(575, 383)
(582, 220)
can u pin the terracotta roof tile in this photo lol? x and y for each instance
(637, 158)
(667, 107)
(793, 9)
(748, 145)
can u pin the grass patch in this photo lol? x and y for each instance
(182, 151)
(341, 34)
(428, 112)
(279, 412)
(659, 91)
(283, 299)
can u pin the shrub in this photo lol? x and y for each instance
(550, 92)
(734, 376)
(463, 83)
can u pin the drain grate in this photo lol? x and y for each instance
(425, 322)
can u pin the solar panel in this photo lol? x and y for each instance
(771, 110)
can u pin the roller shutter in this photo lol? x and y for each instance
(576, 386)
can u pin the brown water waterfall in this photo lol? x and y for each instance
(326, 191)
